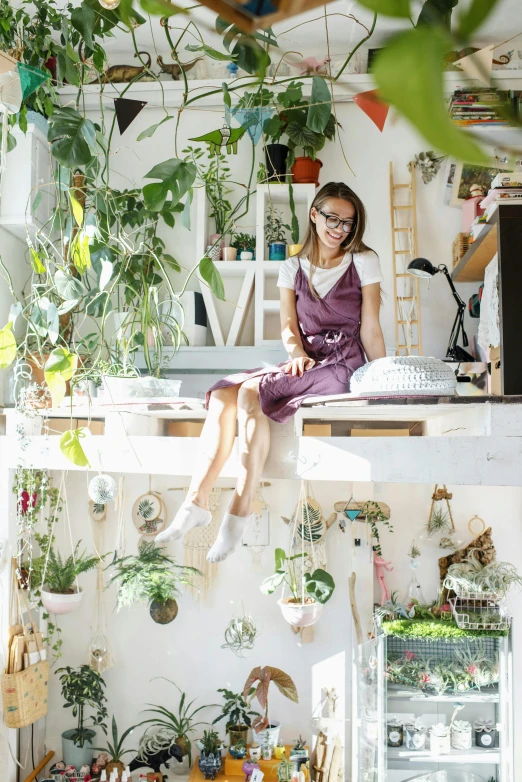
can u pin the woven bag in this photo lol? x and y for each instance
(25, 693)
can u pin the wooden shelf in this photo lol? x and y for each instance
(471, 266)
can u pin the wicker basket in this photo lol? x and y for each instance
(24, 695)
(460, 247)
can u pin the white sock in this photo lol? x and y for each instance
(230, 532)
(187, 517)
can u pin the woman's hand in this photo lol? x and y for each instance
(296, 366)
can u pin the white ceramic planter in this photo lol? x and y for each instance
(246, 255)
(440, 745)
(300, 614)
(56, 603)
(273, 734)
(461, 739)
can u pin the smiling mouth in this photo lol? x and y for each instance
(334, 236)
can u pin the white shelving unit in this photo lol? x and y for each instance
(255, 273)
(277, 195)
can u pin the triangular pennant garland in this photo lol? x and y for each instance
(7, 63)
(376, 110)
(478, 65)
(10, 91)
(126, 111)
(31, 78)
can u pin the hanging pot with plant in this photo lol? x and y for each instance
(308, 592)
(59, 593)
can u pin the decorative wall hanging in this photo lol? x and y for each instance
(97, 511)
(368, 513)
(440, 518)
(102, 489)
(240, 634)
(476, 525)
(222, 137)
(374, 108)
(99, 652)
(197, 543)
(149, 513)
(126, 111)
(31, 78)
(483, 549)
(256, 537)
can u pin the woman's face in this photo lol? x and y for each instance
(334, 207)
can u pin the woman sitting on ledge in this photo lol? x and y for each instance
(330, 300)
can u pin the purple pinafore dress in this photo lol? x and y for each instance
(329, 329)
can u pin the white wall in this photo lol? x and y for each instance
(188, 651)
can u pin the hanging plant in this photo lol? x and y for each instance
(240, 635)
(373, 515)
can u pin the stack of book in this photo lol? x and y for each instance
(505, 189)
(476, 106)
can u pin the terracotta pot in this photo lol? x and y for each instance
(300, 614)
(306, 171)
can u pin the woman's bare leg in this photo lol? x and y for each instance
(216, 442)
(254, 444)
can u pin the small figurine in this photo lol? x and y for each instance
(85, 769)
(380, 565)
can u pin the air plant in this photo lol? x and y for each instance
(470, 576)
(414, 550)
(240, 635)
(392, 609)
(429, 164)
(439, 521)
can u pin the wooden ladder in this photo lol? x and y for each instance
(406, 289)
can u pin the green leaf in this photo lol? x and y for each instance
(80, 254)
(72, 137)
(7, 346)
(214, 54)
(71, 447)
(53, 323)
(227, 100)
(177, 177)
(210, 274)
(83, 19)
(69, 287)
(36, 262)
(185, 215)
(77, 210)
(280, 558)
(59, 368)
(474, 16)
(319, 585)
(409, 75)
(270, 584)
(148, 132)
(302, 136)
(388, 7)
(250, 56)
(319, 114)
(161, 8)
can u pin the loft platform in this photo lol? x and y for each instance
(460, 442)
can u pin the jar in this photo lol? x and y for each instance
(440, 745)
(485, 739)
(415, 737)
(461, 738)
(394, 732)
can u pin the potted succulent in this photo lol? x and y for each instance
(151, 577)
(440, 739)
(284, 769)
(210, 759)
(238, 750)
(115, 750)
(299, 748)
(275, 235)
(263, 725)
(82, 687)
(308, 592)
(59, 593)
(238, 715)
(245, 245)
(461, 734)
(179, 726)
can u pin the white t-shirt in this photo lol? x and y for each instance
(366, 263)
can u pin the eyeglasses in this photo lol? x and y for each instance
(333, 222)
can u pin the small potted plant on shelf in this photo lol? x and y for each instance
(308, 592)
(262, 725)
(210, 759)
(151, 577)
(59, 593)
(485, 733)
(238, 715)
(440, 739)
(238, 750)
(178, 726)
(245, 245)
(115, 750)
(295, 247)
(284, 769)
(275, 235)
(299, 748)
(82, 687)
(461, 734)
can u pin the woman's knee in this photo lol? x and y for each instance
(225, 397)
(248, 396)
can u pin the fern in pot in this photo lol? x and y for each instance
(56, 578)
(308, 591)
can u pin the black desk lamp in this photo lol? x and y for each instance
(421, 267)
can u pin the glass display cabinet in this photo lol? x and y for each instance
(406, 686)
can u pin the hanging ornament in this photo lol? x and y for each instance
(240, 634)
(252, 119)
(31, 78)
(440, 519)
(109, 5)
(164, 613)
(352, 509)
(102, 489)
(99, 654)
(476, 526)
(126, 111)
(225, 137)
(149, 513)
(99, 647)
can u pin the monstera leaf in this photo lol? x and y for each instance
(72, 137)
(319, 585)
(176, 177)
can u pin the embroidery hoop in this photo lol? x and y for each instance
(158, 517)
(473, 526)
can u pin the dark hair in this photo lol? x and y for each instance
(354, 240)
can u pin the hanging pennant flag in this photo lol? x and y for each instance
(7, 63)
(126, 111)
(373, 107)
(10, 91)
(352, 513)
(478, 65)
(31, 78)
(253, 120)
